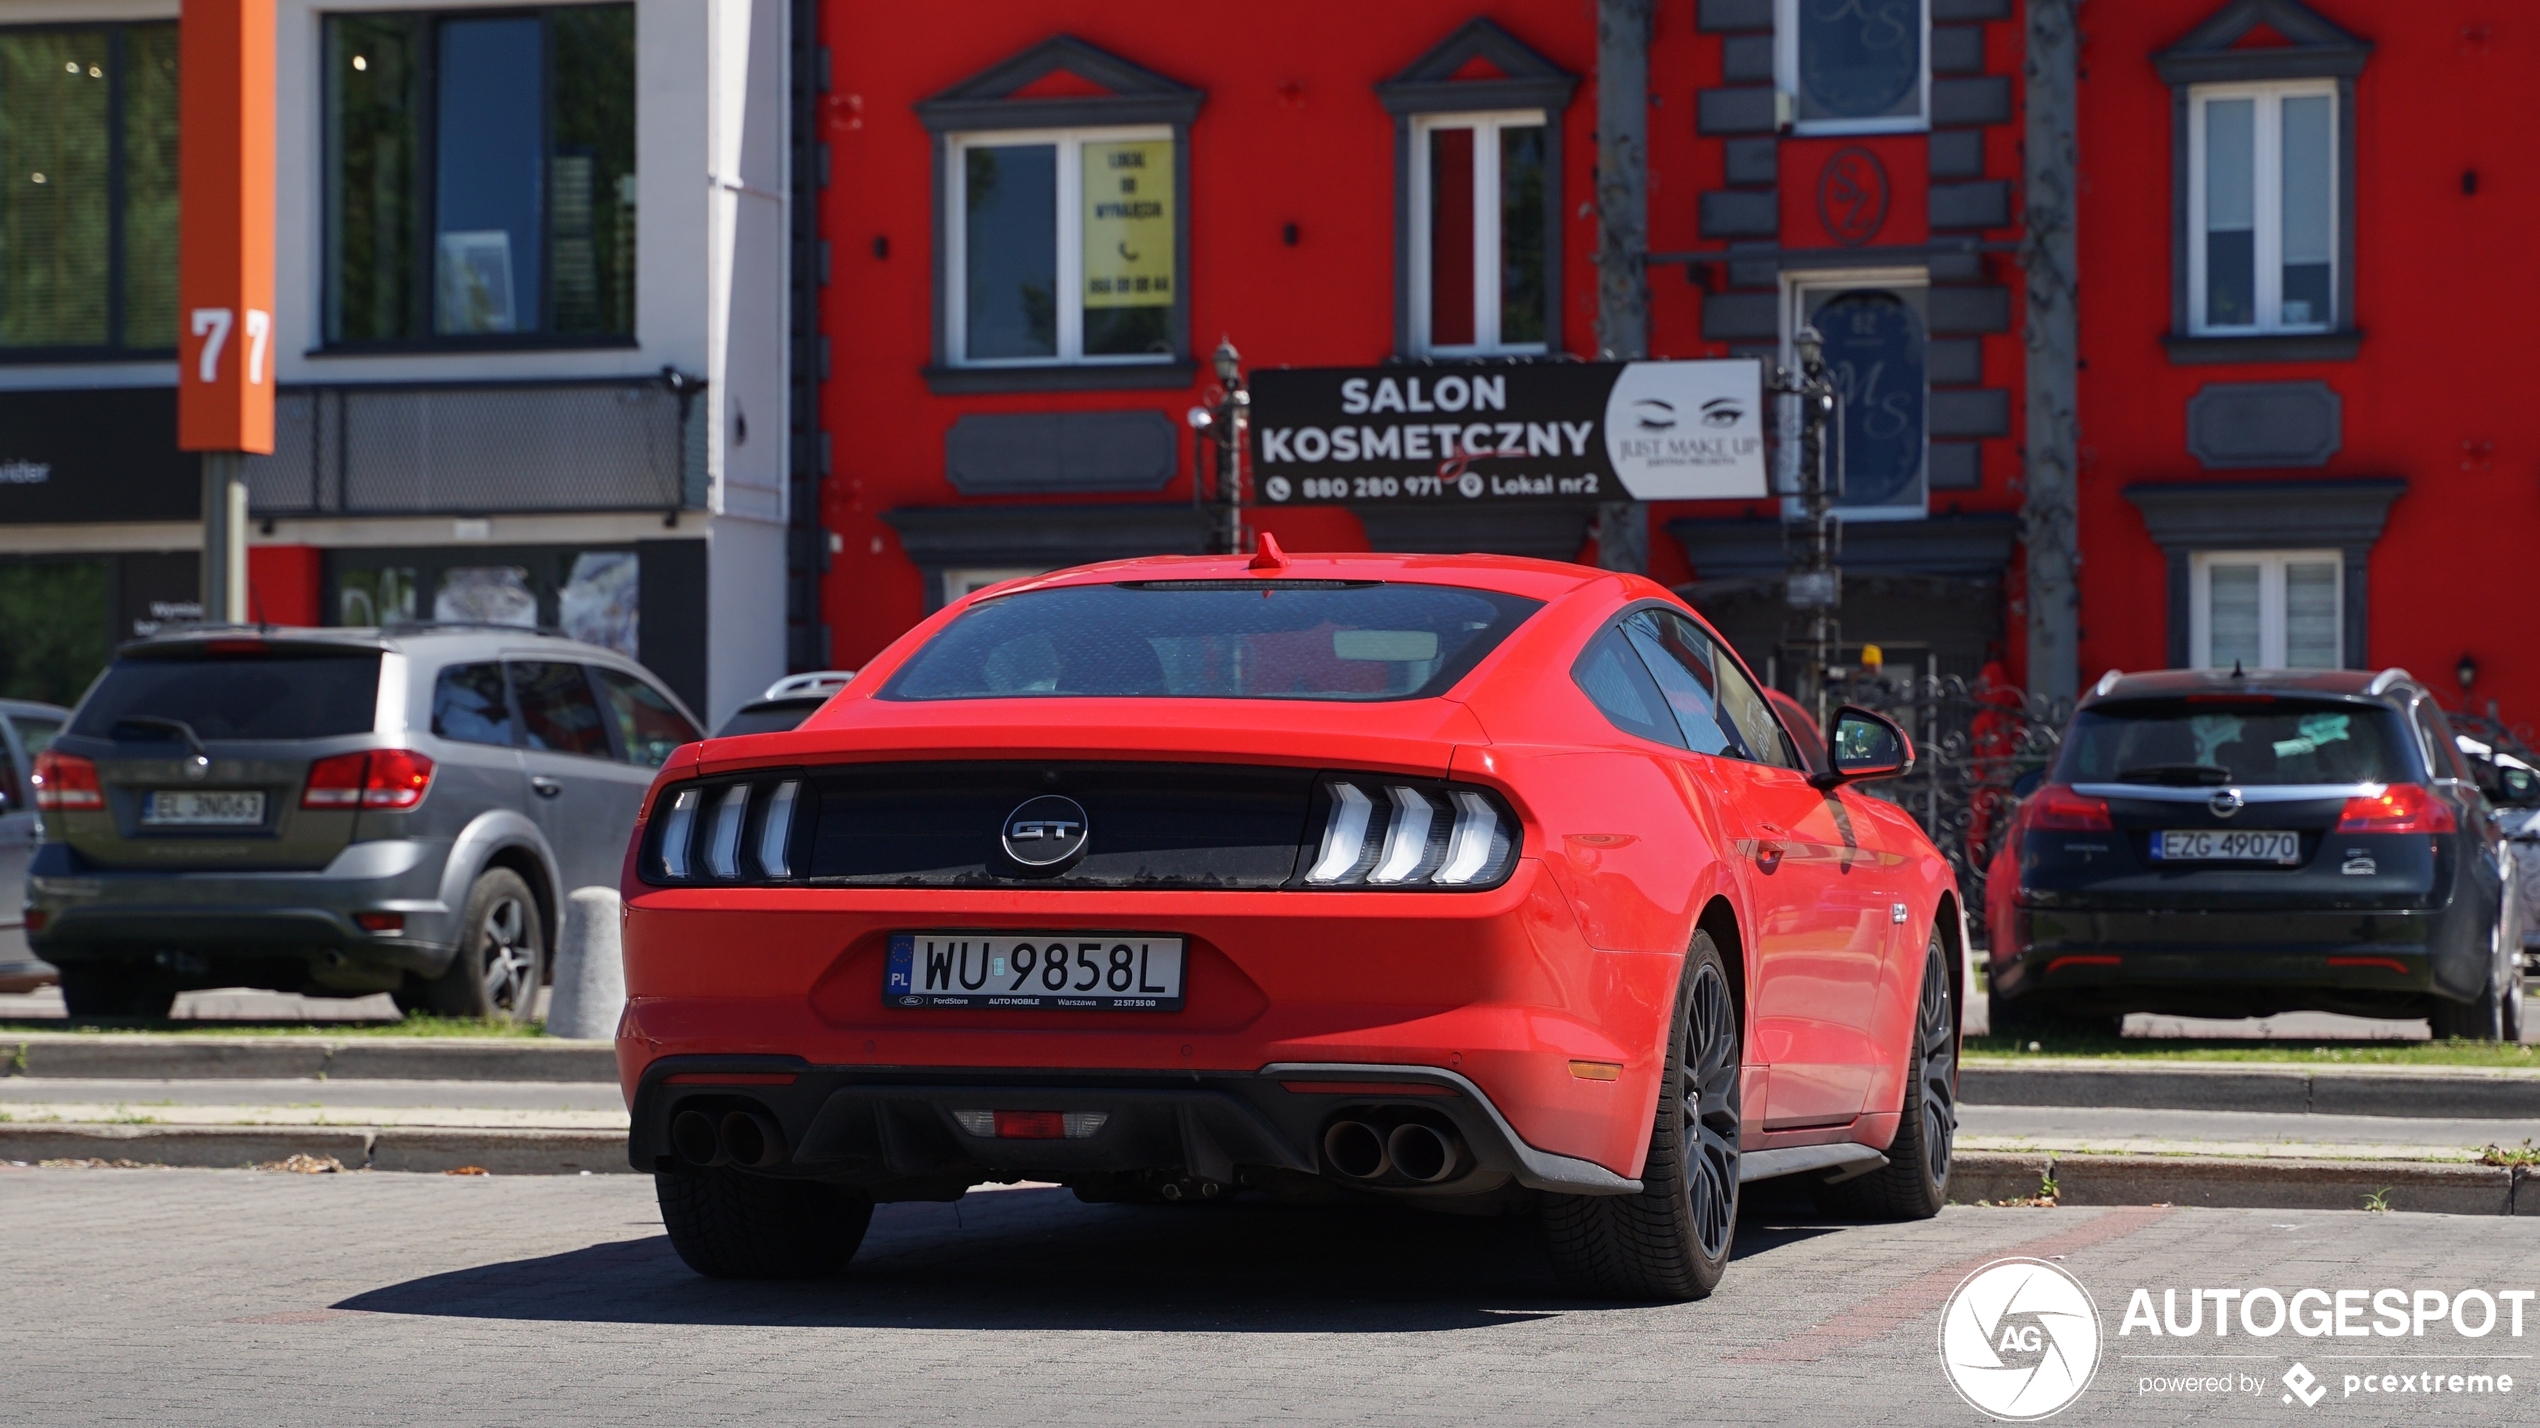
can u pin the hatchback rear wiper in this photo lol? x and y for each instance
(2177, 775)
(183, 731)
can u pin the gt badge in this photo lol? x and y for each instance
(1047, 833)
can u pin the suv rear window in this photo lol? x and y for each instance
(2200, 743)
(264, 696)
(1214, 639)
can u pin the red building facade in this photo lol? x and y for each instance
(2276, 455)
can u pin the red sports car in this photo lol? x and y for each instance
(1481, 884)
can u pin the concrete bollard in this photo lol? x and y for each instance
(590, 986)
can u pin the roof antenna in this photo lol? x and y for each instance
(2235, 670)
(1268, 556)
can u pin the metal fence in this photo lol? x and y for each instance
(482, 449)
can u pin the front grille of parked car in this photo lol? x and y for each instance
(1146, 825)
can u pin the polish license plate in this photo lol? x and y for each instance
(2235, 845)
(1071, 971)
(186, 808)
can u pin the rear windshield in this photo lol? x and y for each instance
(1214, 639)
(2211, 744)
(237, 697)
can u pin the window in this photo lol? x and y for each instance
(469, 705)
(2262, 204)
(224, 696)
(1480, 279)
(1063, 246)
(557, 712)
(1658, 675)
(1618, 684)
(1876, 342)
(88, 191)
(649, 726)
(2208, 744)
(480, 177)
(2268, 610)
(1854, 66)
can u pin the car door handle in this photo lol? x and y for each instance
(1772, 841)
(546, 787)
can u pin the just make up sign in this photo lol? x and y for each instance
(1556, 431)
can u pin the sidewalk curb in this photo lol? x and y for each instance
(2271, 1184)
(499, 1152)
(2465, 1092)
(71, 1055)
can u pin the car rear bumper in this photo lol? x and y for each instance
(197, 922)
(895, 1132)
(2223, 963)
(1496, 990)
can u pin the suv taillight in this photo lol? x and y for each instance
(2057, 807)
(394, 779)
(66, 781)
(1381, 834)
(2400, 808)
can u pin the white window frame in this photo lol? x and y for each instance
(1071, 240)
(1797, 285)
(1786, 80)
(1486, 125)
(2267, 200)
(2271, 601)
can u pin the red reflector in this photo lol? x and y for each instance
(730, 1078)
(2061, 963)
(2056, 806)
(380, 921)
(2393, 963)
(1031, 1125)
(236, 647)
(66, 781)
(2400, 808)
(36, 918)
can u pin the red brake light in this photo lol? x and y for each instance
(1030, 1125)
(2056, 806)
(2400, 808)
(234, 647)
(385, 778)
(66, 781)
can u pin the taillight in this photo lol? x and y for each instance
(2400, 808)
(394, 779)
(1397, 835)
(67, 782)
(2055, 806)
(738, 831)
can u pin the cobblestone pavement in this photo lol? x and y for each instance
(217, 1296)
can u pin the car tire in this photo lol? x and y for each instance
(1914, 1183)
(1671, 1240)
(494, 976)
(728, 1224)
(115, 989)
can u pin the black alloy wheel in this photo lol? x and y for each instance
(1914, 1183)
(1671, 1240)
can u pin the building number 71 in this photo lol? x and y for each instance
(212, 325)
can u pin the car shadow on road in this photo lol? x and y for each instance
(1037, 1258)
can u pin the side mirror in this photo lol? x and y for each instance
(1865, 745)
(2516, 787)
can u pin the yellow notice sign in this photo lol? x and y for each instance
(1129, 224)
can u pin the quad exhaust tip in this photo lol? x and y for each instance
(1357, 1150)
(745, 1138)
(1424, 1153)
(1412, 1151)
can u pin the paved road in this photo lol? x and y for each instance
(234, 1297)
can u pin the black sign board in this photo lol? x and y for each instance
(1553, 431)
(98, 454)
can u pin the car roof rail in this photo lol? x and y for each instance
(2381, 682)
(430, 626)
(2106, 683)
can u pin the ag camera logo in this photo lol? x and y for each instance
(2019, 1339)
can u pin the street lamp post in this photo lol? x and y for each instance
(1815, 584)
(1223, 425)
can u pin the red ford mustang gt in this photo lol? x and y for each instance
(1477, 883)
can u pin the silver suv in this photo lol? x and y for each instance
(338, 812)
